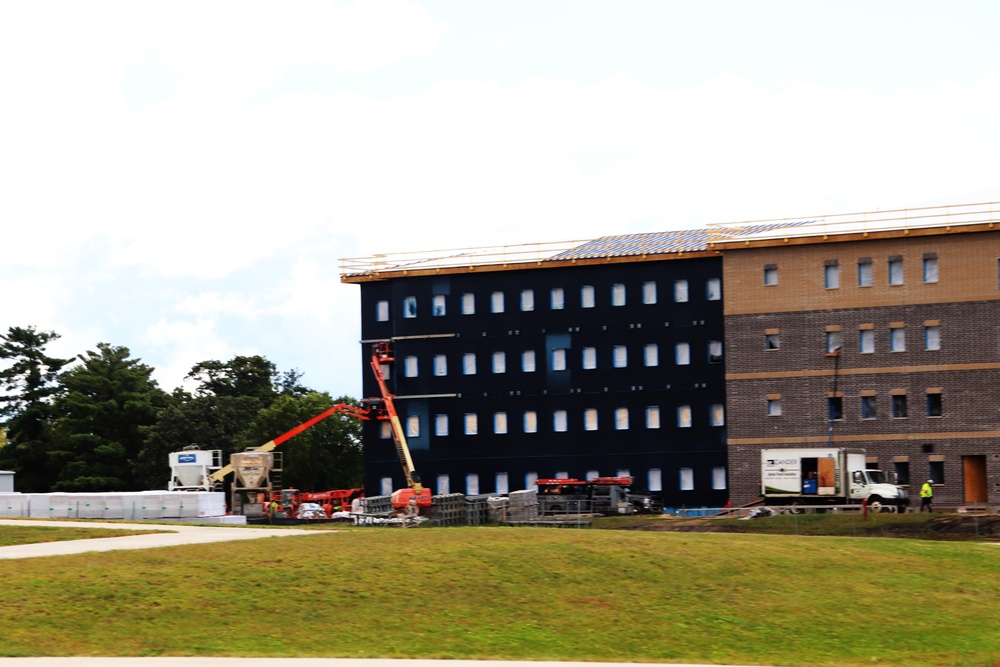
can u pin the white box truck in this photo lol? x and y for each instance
(826, 476)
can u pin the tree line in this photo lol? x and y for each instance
(104, 424)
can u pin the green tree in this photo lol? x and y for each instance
(29, 384)
(99, 429)
(325, 456)
(252, 376)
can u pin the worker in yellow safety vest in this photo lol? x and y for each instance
(926, 495)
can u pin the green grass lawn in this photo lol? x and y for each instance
(13, 535)
(519, 593)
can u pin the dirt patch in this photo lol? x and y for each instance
(945, 527)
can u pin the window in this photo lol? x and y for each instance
(382, 311)
(713, 289)
(717, 414)
(557, 299)
(443, 486)
(496, 302)
(682, 354)
(410, 307)
(559, 421)
(865, 272)
(719, 478)
(590, 419)
(559, 359)
(502, 486)
(687, 479)
(590, 357)
(587, 296)
(715, 351)
(936, 472)
(773, 407)
(835, 408)
(386, 371)
(620, 356)
(930, 267)
(384, 430)
(530, 422)
(438, 306)
(440, 424)
(471, 423)
(413, 426)
(499, 362)
(649, 293)
(468, 304)
(527, 300)
(469, 363)
(831, 274)
(934, 408)
(680, 291)
(684, 416)
(772, 341)
(529, 479)
(410, 367)
(770, 274)
(500, 422)
(899, 406)
(440, 365)
(386, 485)
(528, 361)
(896, 270)
(621, 419)
(654, 480)
(618, 294)
(653, 417)
(902, 470)
(834, 341)
(867, 339)
(932, 337)
(897, 338)
(868, 407)
(472, 484)
(651, 355)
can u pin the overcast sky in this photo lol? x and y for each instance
(181, 178)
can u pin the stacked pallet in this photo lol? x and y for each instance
(135, 506)
(477, 510)
(522, 505)
(449, 509)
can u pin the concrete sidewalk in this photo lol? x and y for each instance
(177, 535)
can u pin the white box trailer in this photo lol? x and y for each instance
(826, 476)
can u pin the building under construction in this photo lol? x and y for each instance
(676, 357)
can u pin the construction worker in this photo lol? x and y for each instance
(926, 495)
(273, 508)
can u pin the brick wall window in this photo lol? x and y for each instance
(896, 270)
(902, 470)
(382, 311)
(774, 406)
(469, 363)
(410, 307)
(866, 338)
(684, 416)
(590, 419)
(865, 272)
(528, 361)
(499, 362)
(770, 274)
(935, 407)
(590, 358)
(468, 304)
(560, 421)
(587, 296)
(441, 425)
(899, 406)
(831, 274)
(620, 356)
(384, 430)
(440, 365)
(682, 354)
(835, 408)
(930, 267)
(410, 367)
(868, 407)
(897, 337)
(715, 351)
(651, 355)
(834, 341)
(621, 419)
(772, 341)
(717, 414)
(932, 337)
(935, 470)
(686, 479)
(559, 359)
(653, 416)
(413, 426)
(471, 423)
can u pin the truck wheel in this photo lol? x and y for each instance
(875, 504)
(794, 509)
